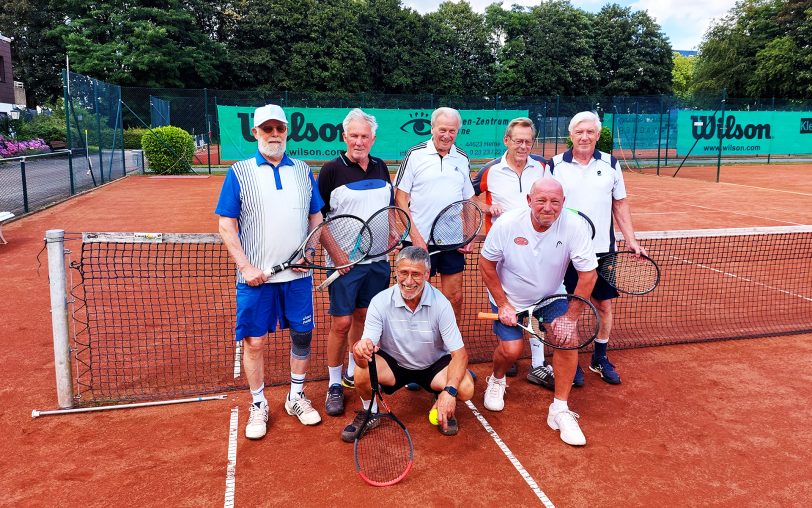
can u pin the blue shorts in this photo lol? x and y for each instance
(355, 289)
(260, 308)
(602, 290)
(446, 262)
(504, 332)
(509, 333)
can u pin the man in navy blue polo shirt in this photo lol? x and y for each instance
(267, 206)
(356, 184)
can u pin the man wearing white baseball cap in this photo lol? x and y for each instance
(268, 205)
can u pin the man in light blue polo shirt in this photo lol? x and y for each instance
(412, 329)
(267, 206)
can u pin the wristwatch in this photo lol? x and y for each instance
(451, 390)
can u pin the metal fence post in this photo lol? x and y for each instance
(25, 185)
(69, 142)
(98, 128)
(557, 113)
(208, 126)
(660, 134)
(720, 132)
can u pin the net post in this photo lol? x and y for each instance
(55, 241)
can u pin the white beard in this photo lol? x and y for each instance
(272, 153)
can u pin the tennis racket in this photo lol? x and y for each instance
(389, 226)
(630, 273)
(383, 448)
(560, 321)
(346, 238)
(455, 226)
(625, 271)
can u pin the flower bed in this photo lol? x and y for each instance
(12, 148)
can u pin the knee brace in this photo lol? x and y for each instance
(300, 344)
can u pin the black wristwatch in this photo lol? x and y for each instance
(451, 390)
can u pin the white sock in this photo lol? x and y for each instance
(366, 403)
(335, 374)
(296, 385)
(258, 395)
(558, 405)
(351, 366)
(536, 352)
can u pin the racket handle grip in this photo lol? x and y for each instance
(488, 315)
(329, 280)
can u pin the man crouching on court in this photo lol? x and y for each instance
(411, 328)
(523, 260)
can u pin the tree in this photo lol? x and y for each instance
(140, 43)
(682, 75)
(37, 53)
(632, 52)
(460, 51)
(546, 50)
(761, 47)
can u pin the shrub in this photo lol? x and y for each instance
(132, 138)
(168, 150)
(48, 127)
(604, 142)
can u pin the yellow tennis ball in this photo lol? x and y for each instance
(433, 416)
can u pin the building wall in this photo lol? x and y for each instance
(6, 77)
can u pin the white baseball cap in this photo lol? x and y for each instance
(269, 112)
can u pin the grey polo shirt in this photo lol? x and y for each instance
(414, 339)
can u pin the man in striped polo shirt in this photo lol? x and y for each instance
(267, 206)
(593, 184)
(434, 174)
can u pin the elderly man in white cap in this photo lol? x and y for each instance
(267, 206)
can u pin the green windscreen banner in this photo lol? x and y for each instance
(315, 133)
(744, 132)
(642, 131)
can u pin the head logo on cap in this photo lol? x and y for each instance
(269, 112)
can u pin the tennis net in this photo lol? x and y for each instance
(154, 313)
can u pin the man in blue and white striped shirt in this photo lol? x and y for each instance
(267, 206)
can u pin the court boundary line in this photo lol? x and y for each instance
(512, 458)
(231, 468)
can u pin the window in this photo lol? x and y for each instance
(2, 70)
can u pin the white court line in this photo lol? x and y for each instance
(767, 188)
(734, 276)
(237, 349)
(231, 469)
(513, 460)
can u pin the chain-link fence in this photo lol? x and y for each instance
(654, 132)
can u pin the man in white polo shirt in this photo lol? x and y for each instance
(503, 185)
(267, 206)
(414, 333)
(434, 174)
(524, 259)
(593, 184)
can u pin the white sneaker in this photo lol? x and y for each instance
(567, 423)
(303, 409)
(495, 394)
(257, 421)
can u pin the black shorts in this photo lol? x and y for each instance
(446, 262)
(405, 376)
(602, 290)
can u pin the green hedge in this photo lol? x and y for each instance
(47, 127)
(604, 143)
(168, 150)
(132, 138)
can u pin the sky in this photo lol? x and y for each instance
(684, 22)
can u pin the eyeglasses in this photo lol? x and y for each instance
(267, 129)
(522, 142)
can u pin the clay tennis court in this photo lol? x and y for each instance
(720, 424)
